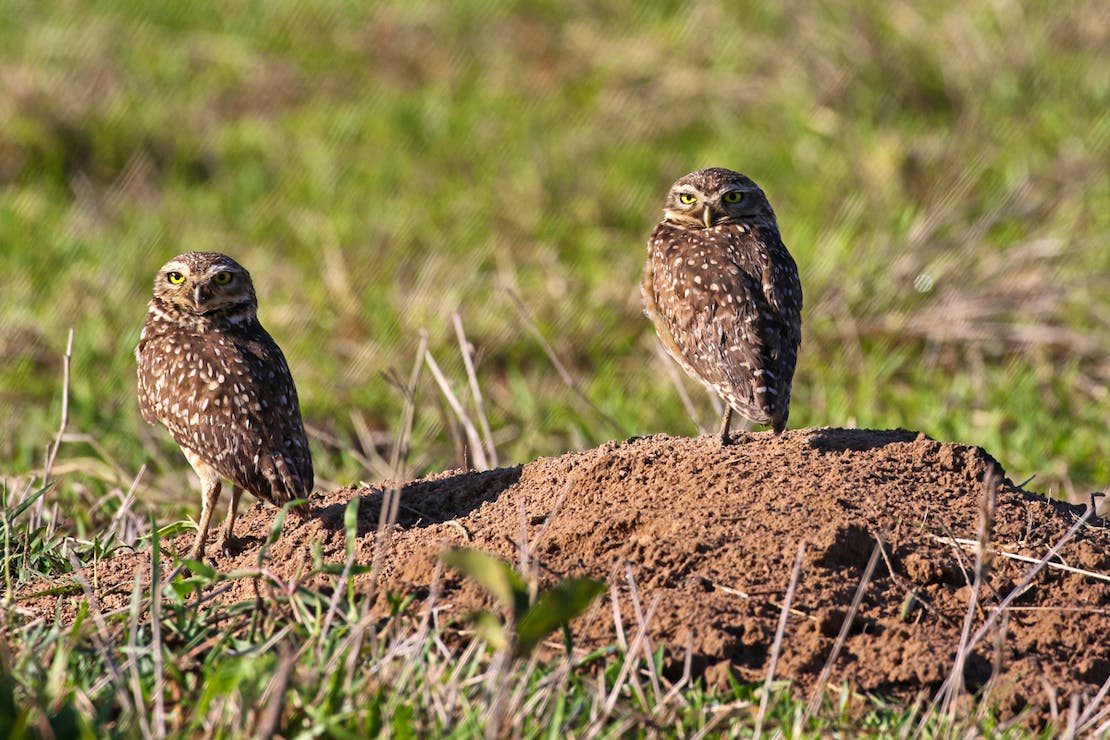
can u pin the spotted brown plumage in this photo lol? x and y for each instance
(724, 294)
(211, 374)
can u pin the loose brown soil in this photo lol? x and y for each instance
(706, 537)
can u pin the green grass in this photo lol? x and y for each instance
(939, 175)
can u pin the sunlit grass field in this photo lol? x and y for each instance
(940, 174)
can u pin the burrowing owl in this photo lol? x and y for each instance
(211, 374)
(724, 294)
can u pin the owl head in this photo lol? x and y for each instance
(713, 196)
(204, 284)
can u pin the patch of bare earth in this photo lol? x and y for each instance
(708, 537)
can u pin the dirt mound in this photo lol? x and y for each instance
(706, 537)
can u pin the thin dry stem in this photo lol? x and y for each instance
(156, 638)
(772, 602)
(634, 595)
(475, 391)
(560, 368)
(101, 636)
(630, 658)
(680, 387)
(947, 689)
(906, 586)
(955, 680)
(972, 546)
(132, 664)
(52, 451)
(124, 510)
(823, 678)
(776, 647)
(474, 442)
(269, 722)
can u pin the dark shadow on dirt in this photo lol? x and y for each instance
(858, 440)
(424, 502)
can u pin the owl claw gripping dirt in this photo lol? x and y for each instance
(724, 294)
(216, 380)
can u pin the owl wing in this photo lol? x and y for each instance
(782, 289)
(230, 399)
(716, 304)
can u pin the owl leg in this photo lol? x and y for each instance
(725, 424)
(211, 496)
(227, 535)
(210, 493)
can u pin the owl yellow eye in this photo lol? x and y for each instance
(175, 278)
(733, 196)
(222, 278)
(686, 198)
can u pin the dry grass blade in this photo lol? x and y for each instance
(399, 457)
(906, 586)
(391, 497)
(475, 390)
(745, 595)
(342, 584)
(633, 677)
(997, 660)
(1083, 609)
(133, 655)
(101, 636)
(156, 639)
(560, 368)
(972, 546)
(814, 704)
(497, 688)
(776, 647)
(955, 681)
(720, 715)
(332, 441)
(526, 569)
(116, 529)
(1105, 728)
(674, 695)
(477, 452)
(369, 441)
(52, 452)
(269, 722)
(634, 595)
(995, 614)
(630, 658)
(618, 622)
(680, 388)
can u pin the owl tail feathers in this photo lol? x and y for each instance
(301, 510)
(289, 485)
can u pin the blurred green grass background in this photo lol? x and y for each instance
(941, 175)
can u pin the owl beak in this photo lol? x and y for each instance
(200, 296)
(707, 217)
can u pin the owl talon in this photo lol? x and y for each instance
(230, 545)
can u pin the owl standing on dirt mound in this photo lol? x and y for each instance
(211, 374)
(724, 294)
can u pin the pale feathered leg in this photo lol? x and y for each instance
(210, 486)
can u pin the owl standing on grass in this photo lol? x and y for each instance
(724, 294)
(211, 374)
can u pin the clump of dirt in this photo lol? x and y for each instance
(705, 537)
